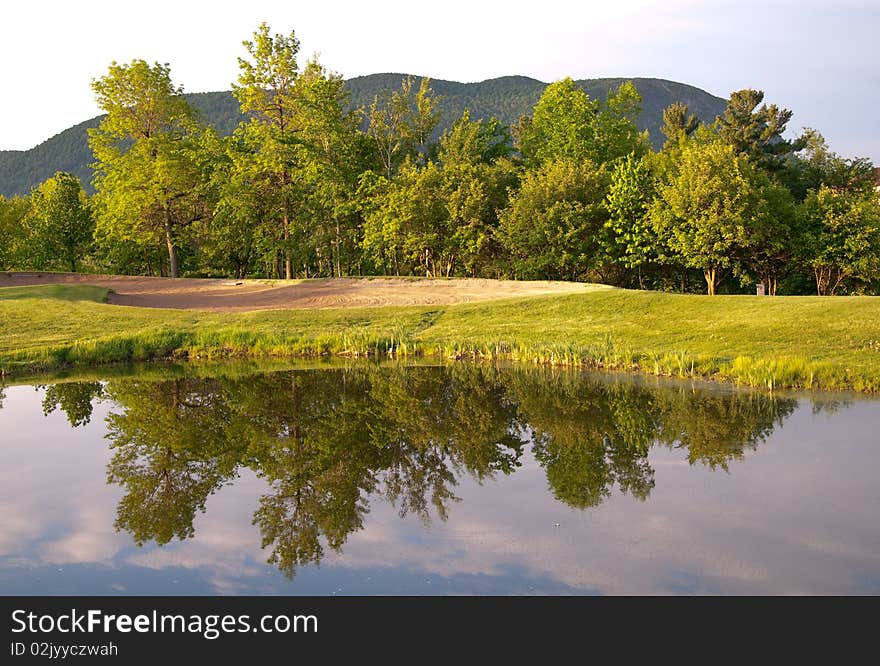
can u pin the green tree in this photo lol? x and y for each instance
(266, 91)
(477, 176)
(566, 123)
(13, 232)
(843, 237)
(678, 123)
(776, 235)
(440, 218)
(632, 239)
(412, 221)
(236, 239)
(817, 165)
(563, 125)
(757, 131)
(148, 169)
(617, 132)
(471, 142)
(60, 222)
(702, 211)
(330, 162)
(401, 122)
(425, 115)
(552, 227)
(381, 229)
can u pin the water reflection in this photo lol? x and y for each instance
(74, 399)
(326, 442)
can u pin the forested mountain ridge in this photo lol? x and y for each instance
(506, 98)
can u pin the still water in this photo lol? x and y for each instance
(386, 479)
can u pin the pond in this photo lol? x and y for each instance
(465, 479)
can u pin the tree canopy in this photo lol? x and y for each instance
(323, 178)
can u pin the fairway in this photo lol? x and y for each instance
(800, 342)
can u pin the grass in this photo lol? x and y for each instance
(773, 343)
(59, 292)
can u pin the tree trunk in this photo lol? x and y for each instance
(709, 273)
(285, 230)
(821, 280)
(338, 249)
(172, 250)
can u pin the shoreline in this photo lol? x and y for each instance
(812, 341)
(742, 372)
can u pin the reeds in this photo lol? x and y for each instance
(770, 374)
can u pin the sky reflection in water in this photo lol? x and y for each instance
(419, 480)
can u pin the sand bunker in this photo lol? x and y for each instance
(240, 295)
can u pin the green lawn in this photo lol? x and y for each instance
(830, 343)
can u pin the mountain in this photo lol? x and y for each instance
(507, 98)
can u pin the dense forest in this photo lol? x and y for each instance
(304, 177)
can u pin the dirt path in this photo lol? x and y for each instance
(239, 295)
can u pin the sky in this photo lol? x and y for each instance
(816, 58)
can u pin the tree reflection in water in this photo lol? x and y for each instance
(328, 440)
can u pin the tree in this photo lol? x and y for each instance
(13, 232)
(757, 132)
(566, 123)
(410, 222)
(235, 238)
(477, 176)
(633, 241)
(617, 132)
(330, 162)
(562, 125)
(425, 115)
(266, 90)
(440, 217)
(816, 165)
(472, 142)
(400, 123)
(843, 237)
(702, 210)
(148, 170)
(60, 222)
(775, 233)
(551, 227)
(678, 123)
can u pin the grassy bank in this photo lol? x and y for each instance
(794, 342)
